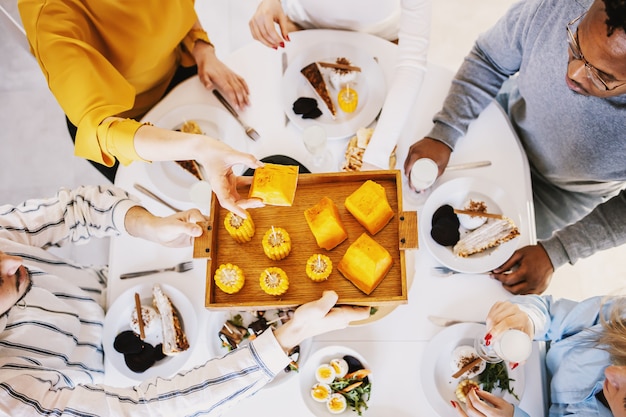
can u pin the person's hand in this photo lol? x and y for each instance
(176, 230)
(217, 163)
(317, 317)
(484, 404)
(213, 73)
(528, 271)
(504, 316)
(262, 25)
(428, 148)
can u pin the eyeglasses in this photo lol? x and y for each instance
(592, 72)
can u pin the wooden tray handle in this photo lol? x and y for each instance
(202, 244)
(407, 230)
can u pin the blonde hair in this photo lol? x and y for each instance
(612, 338)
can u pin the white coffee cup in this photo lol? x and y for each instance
(423, 174)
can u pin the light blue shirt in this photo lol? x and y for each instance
(575, 365)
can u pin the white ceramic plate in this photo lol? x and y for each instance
(370, 86)
(218, 319)
(118, 319)
(436, 374)
(455, 193)
(307, 377)
(168, 177)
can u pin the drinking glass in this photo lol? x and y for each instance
(315, 141)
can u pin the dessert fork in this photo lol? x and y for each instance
(252, 134)
(181, 267)
(444, 271)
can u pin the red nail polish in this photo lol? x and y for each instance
(488, 339)
(282, 44)
(453, 403)
(514, 365)
(274, 47)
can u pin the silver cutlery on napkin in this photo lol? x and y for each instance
(181, 267)
(447, 321)
(252, 134)
(155, 197)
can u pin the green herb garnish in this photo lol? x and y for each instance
(494, 376)
(357, 397)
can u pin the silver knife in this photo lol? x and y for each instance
(284, 68)
(446, 321)
(252, 134)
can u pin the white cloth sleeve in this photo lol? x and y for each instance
(407, 81)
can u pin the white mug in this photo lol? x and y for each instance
(423, 174)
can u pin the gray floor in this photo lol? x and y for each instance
(38, 153)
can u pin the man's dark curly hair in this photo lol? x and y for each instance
(616, 15)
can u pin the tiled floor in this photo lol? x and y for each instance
(37, 155)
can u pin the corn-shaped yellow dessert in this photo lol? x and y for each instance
(276, 243)
(229, 278)
(274, 281)
(319, 267)
(239, 228)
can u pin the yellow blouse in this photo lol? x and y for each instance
(107, 58)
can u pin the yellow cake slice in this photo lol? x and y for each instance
(323, 220)
(275, 184)
(365, 263)
(370, 207)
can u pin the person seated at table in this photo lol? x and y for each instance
(108, 63)
(586, 357)
(52, 315)
(559, 70)
(405, 21)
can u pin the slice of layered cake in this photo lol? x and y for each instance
(489, 235)
(313, 75)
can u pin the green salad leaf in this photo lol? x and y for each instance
(494, 376)
(357, 397)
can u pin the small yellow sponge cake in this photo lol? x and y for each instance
(275, 184)
(324, 222)
(365, 263)
(369, 206)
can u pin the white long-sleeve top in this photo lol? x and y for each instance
(405, 20)
(51, 357)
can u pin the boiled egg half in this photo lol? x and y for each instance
(336, 404)
(321, 392)
(325, 374)
(340, 366)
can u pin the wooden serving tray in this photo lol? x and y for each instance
(217, 245)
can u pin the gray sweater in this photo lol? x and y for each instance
(575, 144)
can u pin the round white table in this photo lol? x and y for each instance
(395, 344)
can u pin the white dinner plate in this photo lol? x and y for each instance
(216, 322)
(436, 373)
(307, 377)
(117, 320)
(370, 86)
(455, 193)
(168, 177)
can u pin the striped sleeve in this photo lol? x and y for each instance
(71, 216)
(207, 390)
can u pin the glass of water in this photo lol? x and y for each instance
(315, 141)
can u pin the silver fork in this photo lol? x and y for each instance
(181, 267)
(252, 134)
(444, 271)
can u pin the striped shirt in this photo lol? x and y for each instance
(51, 357)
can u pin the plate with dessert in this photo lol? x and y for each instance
(447, 353)
(470, 225)
(175, 178)
(169, 326)
(333, 85)
(336, 379)
(229, 330)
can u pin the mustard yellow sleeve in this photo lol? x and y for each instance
(118, 137)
